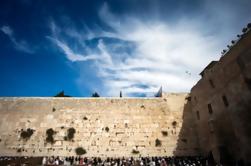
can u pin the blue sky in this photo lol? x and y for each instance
(133, 46)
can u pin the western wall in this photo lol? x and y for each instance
(103, 127)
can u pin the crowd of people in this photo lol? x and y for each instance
(142, 161)
(96, 161)
(93, 161)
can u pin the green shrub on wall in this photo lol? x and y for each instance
(164, 133)
(80, 151)
(19, 150)
(107, 129)
(70, 134)
(157, 142)
(50, 133)
(134, 151)
(174, 124)
(26, 134)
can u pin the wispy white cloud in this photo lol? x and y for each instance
(70, 54)
(7, 30)
(152, 53)
(20, 45)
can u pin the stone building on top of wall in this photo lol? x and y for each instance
(221, 103)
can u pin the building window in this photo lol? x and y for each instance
(195, 99)
(248, 82)
(241, 63)
(188, 98)
(211, 83)
(210, 110)
(211, 125)
(225, 101)
(198, 115)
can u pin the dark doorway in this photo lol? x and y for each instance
(225, 157)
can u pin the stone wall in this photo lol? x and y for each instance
(112, 127)
(221, 102)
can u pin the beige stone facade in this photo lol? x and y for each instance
(104, 126)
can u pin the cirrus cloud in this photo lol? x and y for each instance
(139, 56)
(19, 45)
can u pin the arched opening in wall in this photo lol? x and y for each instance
(210, 110)
(226, 142)
(198, 115)
(211, 83)
(225, 101)
(248, 82)
(211, 125)
(225, 156)
(211, 160)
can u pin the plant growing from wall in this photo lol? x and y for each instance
(70, 134)
(174, 124)
(157, 142)
(26, 134)
(244, 30)
(134, 151)
(249, 25)
(142, 106)
(50, 133)
(184, 140)
(80, 151)
(164, 133)
(19, 150)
